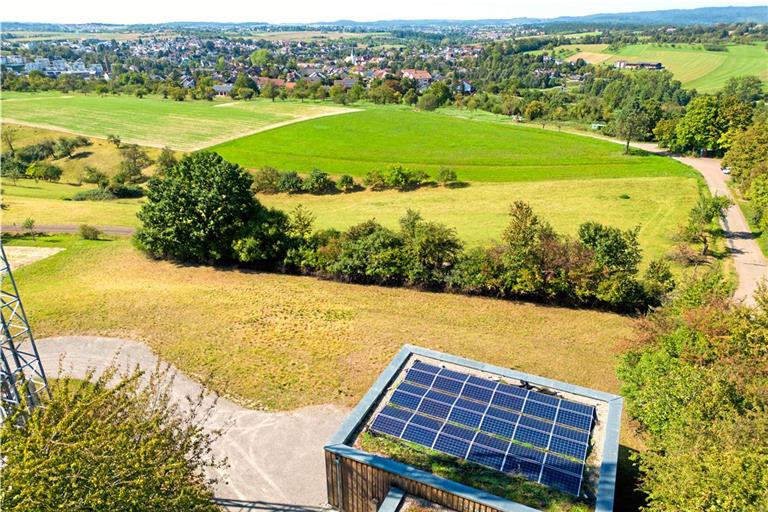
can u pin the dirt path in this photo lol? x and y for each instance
(19, 255)
(749, 261)
(275, 458)
(71, 228)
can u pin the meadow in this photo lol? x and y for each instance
(153, 121)
(704, 70)
(375, 138)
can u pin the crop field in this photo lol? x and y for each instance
(478, 151)
(153, 121)
(704, 70)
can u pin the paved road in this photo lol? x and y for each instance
(275, 459)
(749, 261)
(70, 228)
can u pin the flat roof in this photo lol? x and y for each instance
(605, 437)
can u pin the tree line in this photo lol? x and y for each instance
(202, 210)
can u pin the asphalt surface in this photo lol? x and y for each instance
(70, 228)
(275, 458)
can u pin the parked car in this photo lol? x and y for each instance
(726, 170)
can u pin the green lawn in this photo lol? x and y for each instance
(153, 121)
(479, 151)
(696, 68)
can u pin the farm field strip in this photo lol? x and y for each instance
(187, 125)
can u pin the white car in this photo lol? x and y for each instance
(726, 170)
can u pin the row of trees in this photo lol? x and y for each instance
(747, 158)
(203, 210)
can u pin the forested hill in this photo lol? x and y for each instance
(700, 16)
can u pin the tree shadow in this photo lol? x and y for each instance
(81, 155)
(628, 497)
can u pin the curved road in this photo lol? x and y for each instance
(275, 458)
(750, 263)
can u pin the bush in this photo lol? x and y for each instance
(375, 180)
(405, 179)
(371, 254)
(88, 232)
(290, 183)
(96, 194)
(346, 184)
(318, 182)
(107, 429)
(446, 176)
(93, 175)
(431, 250)
(428, 102)
(203, 211)
(266, 181)
(125, 191)
(36, 152)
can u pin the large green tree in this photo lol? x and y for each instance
(702, 125)
(201, 210)
(114, 442)
(633, 122)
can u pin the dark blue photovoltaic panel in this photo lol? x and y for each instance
(424, 367)
(405, 400)
(410, 388)
(498, 427)
(502, 414)
(568, 447)
(543, 398)
(387, 425)
(566, 483)
(429, 423)
(508, 401)
(470, 405)
(436, 409)
(540, 410)
(397, 413)
(530, 436)
(451, 446)
(483, 383)
(425, 379)
(587, 410)
(543, 426)
(574, 419)
(563, 465)
(471, 419)
(513, 390)
(445, 372)
(524, 452)
(528, 469)
(443, 398)
(581, 436)
(486, 457)
(491, 442)
(502, 426)
(419, 435)
(449, 385)
(477, 393)
(461, 433)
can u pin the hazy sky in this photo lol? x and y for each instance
(301, 11)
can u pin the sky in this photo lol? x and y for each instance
(305, 11)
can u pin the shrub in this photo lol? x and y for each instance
(431, 250)
(402, 178)
(36, 152)
(125, 191)
(476, 272)
(428, 102)
(318, 182)
(95, 194)
(29, 225)
(89, 232)
(44, 171)
(370, 253)
(106, 428)
(346, 184)
(375, 180)
(290, 183)
(446, 176)
(266, 181)
(93, 175)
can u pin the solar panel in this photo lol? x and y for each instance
(508, 428)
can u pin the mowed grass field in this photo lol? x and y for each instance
(153, 121)
(375, 138)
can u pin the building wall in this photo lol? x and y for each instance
(364, 487)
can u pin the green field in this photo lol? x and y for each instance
(705, 71)
(479, 151)
(152, 121)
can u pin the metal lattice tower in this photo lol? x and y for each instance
(22, 378)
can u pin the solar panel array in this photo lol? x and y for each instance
(508, 428)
